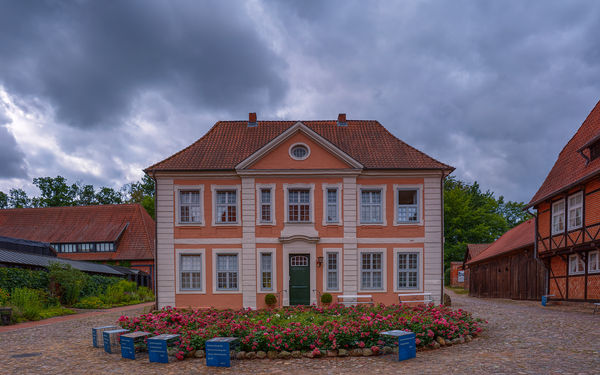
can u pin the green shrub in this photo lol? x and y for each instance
(270, 299)
(4, 297)
(144, 294)
(27, 302)
(12, 278)
(68, 282)
(91, 302)
(55, 311)
(326, 298)
(119, 293)
(96, 285)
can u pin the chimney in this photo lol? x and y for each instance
(252, 120)
(342, 120)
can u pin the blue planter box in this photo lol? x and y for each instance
(218, 351)
(128, 341)
(407, 345)
(97, 339)
(110, 339)
(157, 347)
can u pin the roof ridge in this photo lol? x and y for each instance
(65, 207)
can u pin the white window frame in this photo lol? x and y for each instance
(420, 272)
(384, 270)
(359, 190)
(286, 189)
(326, 187)
(259, 188)
(214, 189)
(177, 189)
(571, 207)
(573, 258)
(561, 213)
(178, 253)
(340, 267)
(420, 205)
(273, 253)
(299, 144)
(595, 264)
(215, 253)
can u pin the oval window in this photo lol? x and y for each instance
(299, 152)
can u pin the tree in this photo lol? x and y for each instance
(142, 192)
(3, 200)
(471, 216)
(108, 195)
(55, 192)
(86, 196)
(18, 199)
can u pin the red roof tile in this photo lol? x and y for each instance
(78, 224)
(518, 237)
(570, 167)
(230, 142)
(475, 249)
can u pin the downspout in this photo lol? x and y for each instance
(155, 240)
(442, 234)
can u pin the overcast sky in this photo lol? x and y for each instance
(96, 91)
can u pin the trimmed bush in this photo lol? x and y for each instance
(270, 299)
(12, 278)
(326, 298)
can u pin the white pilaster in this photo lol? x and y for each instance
(350, 258)
(433, 237)
(248, 265)
(165, 253)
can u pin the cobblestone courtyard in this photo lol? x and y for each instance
(521, 338)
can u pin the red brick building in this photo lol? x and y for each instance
(568, 216)
(117, 234)
(457, 274)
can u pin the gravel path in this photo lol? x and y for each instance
(521, 338)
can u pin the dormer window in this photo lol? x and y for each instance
(299, 151)
(595, 150)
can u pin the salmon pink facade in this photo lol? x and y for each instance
(297, 209)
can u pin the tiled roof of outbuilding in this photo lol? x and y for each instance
(518, 237)
(102, 223)
(571, 167)
(230, 142)
(474, 249)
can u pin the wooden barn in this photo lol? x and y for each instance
(508, 268)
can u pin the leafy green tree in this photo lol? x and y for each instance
(17, 198)
(86, 196)
(108, 195)
(473, 216)
(142, 192)
(55, 192)
(3, 200)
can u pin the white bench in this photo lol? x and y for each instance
(354, 299)
(427, 298)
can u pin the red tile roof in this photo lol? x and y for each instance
(474, 249)
(78, 224)
(518, 237)
(230, 142)
(570, 167)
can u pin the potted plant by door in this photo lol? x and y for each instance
(326, 299)
(270, 300)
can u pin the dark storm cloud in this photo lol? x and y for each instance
(12, 159)
(91, 59)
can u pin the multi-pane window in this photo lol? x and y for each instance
(370, 206)
(595, 150)
(594, 261)
(576, 265)
(226, 206)
(190, 210)
(227, 272)
(371, 271)
(90, 247)
(558, 217)
(266, 211)
(332, 206)
(266, 271)
(332, 271)
(408, 270)
(575, 214)
(299, 205)
(191, 272)
(408, 206)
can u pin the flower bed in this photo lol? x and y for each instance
(307, 328)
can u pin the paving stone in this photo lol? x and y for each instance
(522, 337)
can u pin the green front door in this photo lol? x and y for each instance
(299, 279)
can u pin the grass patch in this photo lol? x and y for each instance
(458, 290)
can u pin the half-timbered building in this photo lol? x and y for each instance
(568, 216)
